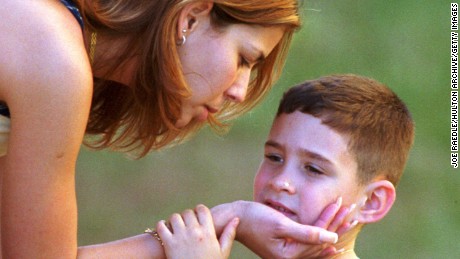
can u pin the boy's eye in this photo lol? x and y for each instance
(274, 158)
(313, 169)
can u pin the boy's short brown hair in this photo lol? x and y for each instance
(378, 124)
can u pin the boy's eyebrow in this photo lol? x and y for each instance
(272, 143)
(304, 152)
(315, 156)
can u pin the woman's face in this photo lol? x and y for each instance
(217, 65)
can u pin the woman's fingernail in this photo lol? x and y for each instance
(328, 237)
(341, 250)
(353, 224)
(363, 201)
(339, 202)
(352, 207)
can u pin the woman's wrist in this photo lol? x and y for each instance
(223, 213)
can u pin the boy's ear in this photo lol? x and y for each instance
(380, 198)
(191, 15)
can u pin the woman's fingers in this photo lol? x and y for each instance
(336, 218)
(346, 227)
(328, 214)
(339, 219)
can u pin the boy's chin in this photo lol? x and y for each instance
(306, 221)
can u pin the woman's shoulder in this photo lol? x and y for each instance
(40, 40)
(42, 14)
(47, 25)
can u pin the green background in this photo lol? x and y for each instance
(404, 44)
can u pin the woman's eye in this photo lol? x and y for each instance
(244, 62)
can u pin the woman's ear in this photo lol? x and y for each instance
(380, 198)
(191, 15)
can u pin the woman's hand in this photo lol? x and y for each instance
(337, 218)
(268, 233)
(334, 218)
(192, 235)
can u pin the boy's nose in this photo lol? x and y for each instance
(282, 184)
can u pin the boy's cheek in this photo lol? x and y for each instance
(311, 219)
(308, 215)
(314, 211)
(260, 184)
(257, 192)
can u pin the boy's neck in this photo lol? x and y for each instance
(346, 245)
(346, 254)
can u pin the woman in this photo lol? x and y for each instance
(161, 68)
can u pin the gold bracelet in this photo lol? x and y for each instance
(154, 234)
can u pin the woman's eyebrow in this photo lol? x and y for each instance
(258, 53)
(261, 57)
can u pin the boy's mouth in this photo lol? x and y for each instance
(281, 208)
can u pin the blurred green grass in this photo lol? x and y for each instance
(404, 44)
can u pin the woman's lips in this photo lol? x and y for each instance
(203, 116)
(211, 109)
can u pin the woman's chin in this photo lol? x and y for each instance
(203, 116)
(181, 123)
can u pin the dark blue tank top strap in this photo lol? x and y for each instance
(76, 13)
(74, 10)
(4, 110)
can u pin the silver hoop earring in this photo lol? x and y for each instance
(184, 39)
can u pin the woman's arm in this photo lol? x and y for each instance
(46, 80)
(140, 246)
(47, 84)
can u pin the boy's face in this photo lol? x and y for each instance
(306, 167)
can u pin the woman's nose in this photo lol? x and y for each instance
(237, 92)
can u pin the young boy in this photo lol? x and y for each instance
(338, 136)
(340, 139)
